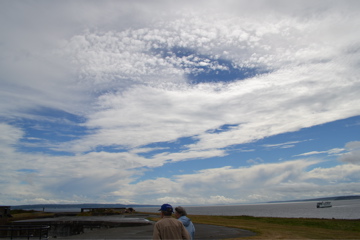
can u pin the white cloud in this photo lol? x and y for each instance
(111, 60)
(27, 177)
(262, 182)
(255, 161)
(283, 145)
(9, 135)
(168, 114)
(334, 151)
(353, 153)
(339, 174)
(85, 177)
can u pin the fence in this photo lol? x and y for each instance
(24, 231)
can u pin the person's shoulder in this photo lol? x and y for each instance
(164, 219)
(176, 221)
(159, 221)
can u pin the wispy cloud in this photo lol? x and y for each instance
(334, 151)
(283, 145)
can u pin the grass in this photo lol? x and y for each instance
(24, 215)
(286, 228)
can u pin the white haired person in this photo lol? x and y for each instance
(168, 227)
(180, 214)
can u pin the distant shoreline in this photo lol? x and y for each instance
(322, 199)
(114, 205)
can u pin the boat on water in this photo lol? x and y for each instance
(323, 204)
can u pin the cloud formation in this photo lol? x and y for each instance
(352, 154)
(95, 97)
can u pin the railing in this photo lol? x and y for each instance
(24, 231)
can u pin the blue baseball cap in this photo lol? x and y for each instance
(166, 208)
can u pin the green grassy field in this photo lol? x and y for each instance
(286, 228)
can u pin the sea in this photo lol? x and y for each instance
(341, 209)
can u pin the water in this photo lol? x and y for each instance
(341, 209)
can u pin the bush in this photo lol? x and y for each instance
(17, 211)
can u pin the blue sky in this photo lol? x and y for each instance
(189, 102)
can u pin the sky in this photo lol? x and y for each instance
(180, 102)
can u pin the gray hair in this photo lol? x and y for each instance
(180, 210)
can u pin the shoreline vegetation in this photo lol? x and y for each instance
(264, 227)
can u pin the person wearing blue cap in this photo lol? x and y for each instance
(168, 227)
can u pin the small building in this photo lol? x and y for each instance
(5, 211)
(129, 210)
(104, 210)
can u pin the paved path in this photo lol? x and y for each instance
(203, 231)
(139, 228)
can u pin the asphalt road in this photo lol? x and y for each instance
(203, 231)
(131, 227)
